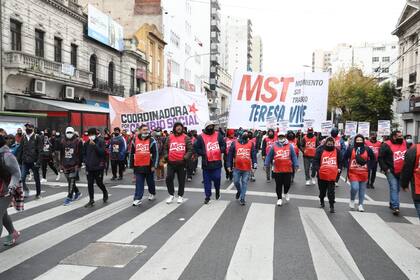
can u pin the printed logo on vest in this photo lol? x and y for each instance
(283, 154)
(329, 161)
(399, 155)
(141, 148)
(243, 152)
(177, 147)
(213, 146)
(354, 164)
(310, 144)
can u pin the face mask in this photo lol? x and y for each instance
(116, 134)
(92, 137)
(373, 139)
(310, 134)
(158, 133)
(409, 141)
(86, 134)
(399, 141)
(329, 147)
(19, 133)
(209, 130)
(282, 140)
(57, 134)
(244, 137)
(145, 135)
(270, 135)
(334, 134)
(69, 135)
(28, 131)
(359, 144)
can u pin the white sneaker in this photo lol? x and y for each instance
(180, 200)
(136, 202)
(351, 204)
(58, 177)
(286, 196)
(170, 199)
(313, 181)
(151, 197)
(308, 183)
(30, 177)
(279, 202)
(43, 180)
(361, 209)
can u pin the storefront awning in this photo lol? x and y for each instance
(27, 104)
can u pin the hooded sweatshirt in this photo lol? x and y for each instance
(9, 171)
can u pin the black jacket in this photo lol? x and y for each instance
(407, 172)
(94, 155)
(30, 150)
(386, 159)
(316, 163)
(200, 150)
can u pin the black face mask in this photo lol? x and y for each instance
(244, 137)
(271, 136)
(399, 141)
(358, 145)
(310, 135)
(28, 131)
(19, 133)
(116, 134)
(329, 147)
(373, 139)
(209, 130)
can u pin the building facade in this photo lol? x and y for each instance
(257, 54)
(321, 61)
(51, 66)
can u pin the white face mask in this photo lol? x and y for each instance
(92, 137)
(69, 135)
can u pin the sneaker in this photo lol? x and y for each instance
(238, 194)
(252, 178)
(308, 183)
(43, 180)
(372, 186)
(77, 196)
(151, 197)
(368, 186)
(189, 179)
(180, 200)
(136, 202)
(351, 204)
(361, 209)
(90, 204)
(30, 177)
(217, 194)
(38, 196)
(105, 197)
(396, 211)
(58, 177)
(170, 199)
(12, 238)
(242, 202)
(322, 204)
(332, 210)
(286, 196)
(268, 181)
(207, 200)
(279, 202)
(120, 178)
(67, 201)
(113, 178)
(313, 181)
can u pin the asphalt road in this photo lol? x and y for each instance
(222, 240)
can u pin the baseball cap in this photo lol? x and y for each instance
(310, 129)
(70, 130)
(208, 123)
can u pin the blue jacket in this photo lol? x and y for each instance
(117, 148)
(232, 154)
(293, 156)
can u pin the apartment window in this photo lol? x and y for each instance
(39, 43)
(385, 70)
(386, 59)
(375, 59)
(132, 78)
(16, 35)
(73, 55)
(92, 68)
(158, 67)
(57, 49)
(175, 39)
(393, 47)
(111, 74)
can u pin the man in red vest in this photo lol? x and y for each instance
(243, 158)
(411, 173)
(266, 146)
(291, 137)
(144, 160)
(210, 145)
(177, 151)
(327, 164)
(391, 160)
(229, 139)
(375, 146)
(308, 148)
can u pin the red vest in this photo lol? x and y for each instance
(398, 152)
(229, 142)
(282, 159)
(328, 169)
(375, 147)
(269, 143)
(177, 147)
(142, 153)
(243, 160)
(295, 145)
(310, 146)
(211, 143)
(357, 172)
(337, 141)
(416, 174)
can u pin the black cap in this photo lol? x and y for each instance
(30, 125)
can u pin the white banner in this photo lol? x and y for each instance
(283, 126)
(351, 128)
(257, 96)
(160, 108)
(384, 128)
(307, 124)
(326, 128)
(363, 128)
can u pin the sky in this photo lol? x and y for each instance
(292, 29)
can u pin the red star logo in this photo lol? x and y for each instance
(192, 108)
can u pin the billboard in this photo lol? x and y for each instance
(104, 29)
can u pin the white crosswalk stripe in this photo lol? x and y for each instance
(65, 271)
(402, 253)
(413, 220)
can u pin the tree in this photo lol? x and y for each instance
(361, 98)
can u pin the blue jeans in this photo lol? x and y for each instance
(25, 172)
(140, 177)
(241, 185)
(417, 205)
(394, 190)
(211, 175)
(358, 187)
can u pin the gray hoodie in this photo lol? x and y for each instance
(12, 167)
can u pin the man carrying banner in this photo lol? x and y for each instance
(391, 160)
(411, 173)
(177, 151)
(267, 143)
(144, 160)
(242, 157)
(375, 146)
(282, 156)
(308, 148)
(210, 145)
(229, 139)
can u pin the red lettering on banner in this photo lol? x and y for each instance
(246, 83)
(286, 82)
(270, 89)
(252, 89)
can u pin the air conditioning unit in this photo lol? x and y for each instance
(69, 92)
(38, 87)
